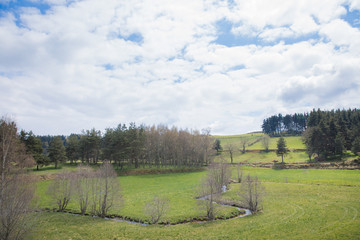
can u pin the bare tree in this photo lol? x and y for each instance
(231, 149)
(15, 208)
(61, 189)
(206, 145)
(244, 141)
(16, 190)
(221, 173)
(105, 190)
(239, 172)
(210, 188)
(157, 208)
(83, 180)
(265, 141)
(251, 193)
(208, 192)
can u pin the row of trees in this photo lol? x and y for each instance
(333, 132)
(157, 146)
(290, 123)
(124, 145)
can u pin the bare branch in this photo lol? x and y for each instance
(251, 193)
(157, 208)
(61, 189)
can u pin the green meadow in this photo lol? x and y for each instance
(255, 157)
(255, 150)
(298, 204)
(254, 142)
(137, 190)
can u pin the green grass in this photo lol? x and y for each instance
(313, 204)
(255, 152)
(306, 176)
(291, 143)
(255, 157)
(137, 190)
(294, 142)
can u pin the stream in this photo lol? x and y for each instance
(247, 212)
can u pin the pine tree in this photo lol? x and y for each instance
(281, 148)
(57, 151)
(356, 146)
(217, 146)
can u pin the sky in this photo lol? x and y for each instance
(68, 65)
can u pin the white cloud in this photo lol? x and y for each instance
(75, 67)
(354, 5)
(341, 33)
(273, 34)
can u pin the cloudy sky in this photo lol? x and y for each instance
(68, 65)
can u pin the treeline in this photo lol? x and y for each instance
(156, 146)
(292, 124)
(131, 145)
(333, 132)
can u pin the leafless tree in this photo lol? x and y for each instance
(209, 193)
(244, 141)
(164, 146)
(83, 180)
(16, 190)
(105, 190)
(265, 141)
(210, 188)
(239, 172)
(231, 149)
(221, 173)
(157, 208)
(12, 152)
(206, 146)
(15, 210)
(61, 189)
(251, 193)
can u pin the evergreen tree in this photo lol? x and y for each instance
(356, 146)
(34, 148)
(90, 144)
(217, 146)
(281, 148)
(339, 145)
(73, 147)
(57, 152)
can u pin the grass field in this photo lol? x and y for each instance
(179, 188)
(299, 204)
(255, 152)
(254, 157)
(293, 142)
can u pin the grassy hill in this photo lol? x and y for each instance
(293, 142)
(254, 148)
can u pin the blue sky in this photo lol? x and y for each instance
(225, 65)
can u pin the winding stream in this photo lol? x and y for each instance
(247, 212)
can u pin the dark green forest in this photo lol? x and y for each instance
(332, 133)
(325, 133)
(292, 124)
